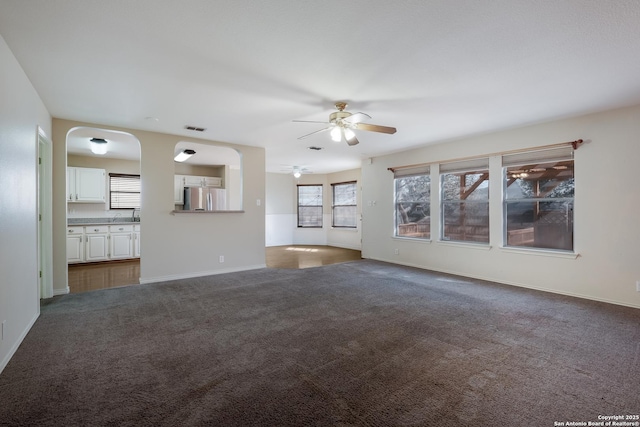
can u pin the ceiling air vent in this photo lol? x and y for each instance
(197, 129)
(315, 148)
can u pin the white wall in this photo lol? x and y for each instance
(281, 212)
(174, 245)
(607, 207)
(21, 112)
(280, 209)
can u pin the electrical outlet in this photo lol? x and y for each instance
(221, 259)
(395, 251)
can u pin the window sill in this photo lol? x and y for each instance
(347, 229)
(540, 252)
(411, 239)
(470, 245)
(206, 212)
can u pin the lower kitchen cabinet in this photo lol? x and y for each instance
(102, 243)
(96, 243)
(136, 241)
(121, 243)
(75, 244)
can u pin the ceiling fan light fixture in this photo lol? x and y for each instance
(184, 155)
(336, 134)
(98, 146)
(297, 174)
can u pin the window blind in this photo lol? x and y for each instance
(124, 191)
(411, 171)
(538, 156)
(470, 165)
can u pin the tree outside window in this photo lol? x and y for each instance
(538, 199)
(465, 201)
(412, 201)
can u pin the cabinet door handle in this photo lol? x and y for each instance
(96, 229)
(76, 196)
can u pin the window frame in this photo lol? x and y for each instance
(538, 159)
(354, 205)
(307, 206)
(124, 175)
(422, 231)
(477, 166)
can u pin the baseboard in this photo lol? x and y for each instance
(14, 348)
(61, 291)
(510, 283)
(144, 281)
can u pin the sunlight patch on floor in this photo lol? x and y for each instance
(302, 249)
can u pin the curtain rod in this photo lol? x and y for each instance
(575, 144)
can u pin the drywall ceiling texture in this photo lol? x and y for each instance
(605, 216)
(437, 70)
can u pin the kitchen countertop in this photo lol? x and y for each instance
(100, 221)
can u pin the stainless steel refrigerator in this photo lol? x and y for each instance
(204, 199)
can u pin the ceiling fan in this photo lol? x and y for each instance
(343, 123)
(297, 171)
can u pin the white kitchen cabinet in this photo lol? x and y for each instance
(96, 243)
(192, 181)
(178, 189)
(86, 185)
(75, 244)
(120, 241)
(212, 181)
(201, 181)
(136, 241)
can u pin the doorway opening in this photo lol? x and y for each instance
(103, 200)
(45, 221)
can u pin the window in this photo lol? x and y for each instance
(465, 201)
(538, 199)
(413, 207)
(124, 191)
(310, 206)
(344, 206)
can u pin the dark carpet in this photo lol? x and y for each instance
(358, 344)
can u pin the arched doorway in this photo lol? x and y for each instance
(103, 209)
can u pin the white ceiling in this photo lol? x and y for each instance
(244, 69)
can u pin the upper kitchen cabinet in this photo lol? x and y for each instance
(86, 185)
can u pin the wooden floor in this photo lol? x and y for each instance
(301, 256)
(102, 275)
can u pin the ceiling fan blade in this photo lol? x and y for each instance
(357, 117)
(375, 128)
(309, 121)
(313, 133)
(352, 141)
